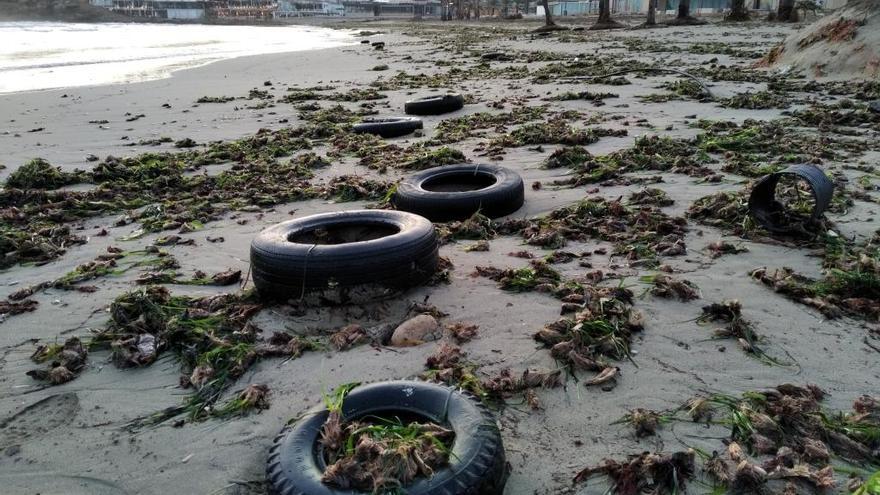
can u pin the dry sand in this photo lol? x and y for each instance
(75, 444)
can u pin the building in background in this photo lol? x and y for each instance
(156, 9)
(305, 8)
(267, 9)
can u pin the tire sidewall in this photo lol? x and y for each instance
(476, 466)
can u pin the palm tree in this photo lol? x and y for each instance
(605, 21)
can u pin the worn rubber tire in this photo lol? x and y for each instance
(503, 197)
(477, 466)
(283, 269)
(434, 105)
(388, 127)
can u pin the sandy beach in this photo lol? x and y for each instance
(78, 443)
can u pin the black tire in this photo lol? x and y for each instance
(361, 247)
(477, 466)
(434, 105)
(388, 127)
(424, 193)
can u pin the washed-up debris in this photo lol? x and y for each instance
(17, 308)
(461, 332)
(856, 292)
(645, 422)
(254, 397)
(481, 245)
(40, 174)
(348, 337)
(376, 454)
(736, 327)
(449, 365)
(65, 361)
(721, 248)
(568, 157)
(539, 277)
(647, 472)
(640, 235)
(211, 336)
(668, 287)
(650, 196)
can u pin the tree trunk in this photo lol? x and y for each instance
(738, 11)
(548, 17)
(684, 9)
(604, 12)
(652, 13)
(786, 12)
(504, 4)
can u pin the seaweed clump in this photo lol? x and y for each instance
(40, 174)
(377, 454)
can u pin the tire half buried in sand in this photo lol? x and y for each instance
(351, 248)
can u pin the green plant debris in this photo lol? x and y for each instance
(157, 190)
(720, 248)
(782, 433)
(476, 227)
(727, 210)
(449, 365)
(211, 338)
(851, 284)
(869, 487)
(650, 196)
(792, 417)
(40, 174)
(736, 327)
(645, 422)
(568, 157)
(382, 454)
(65, 361)
(474, 125)
(554, 131)
(647, 153)
(679, 89)
(755, 101)
(666, 286)
(639, 235)
(645, 473)
(523, 279)
(215, 99)
(596, 98)
(450, 78)
(254, 397)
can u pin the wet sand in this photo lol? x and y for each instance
(75, 443)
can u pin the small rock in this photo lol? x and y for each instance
(415, 331)
(91, 158)
(12, 450)
(874, 106)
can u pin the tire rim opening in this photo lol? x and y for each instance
(343, 233)
(380, 418)
(463, 182)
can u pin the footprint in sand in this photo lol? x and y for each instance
(38, 419)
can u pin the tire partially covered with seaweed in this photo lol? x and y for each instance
(476, 465)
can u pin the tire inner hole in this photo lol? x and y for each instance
(465, 181)
(383, 417)
(343, 233)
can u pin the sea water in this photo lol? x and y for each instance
(45, 55)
